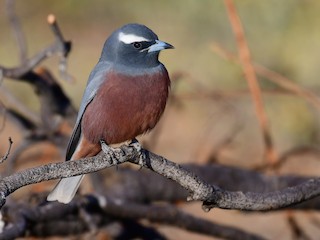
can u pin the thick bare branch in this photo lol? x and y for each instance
(172, 216)
(210, 195)
(120, 184)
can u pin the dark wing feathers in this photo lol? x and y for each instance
(73, 142)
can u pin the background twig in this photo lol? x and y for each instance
(245, 59)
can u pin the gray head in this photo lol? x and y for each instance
(133, 45)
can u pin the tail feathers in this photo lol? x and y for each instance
(65, 189)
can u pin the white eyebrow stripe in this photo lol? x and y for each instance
(131, 38)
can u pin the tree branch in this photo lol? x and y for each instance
(51, 171)
(120, 184)
(102, 211)
(210, 195)
(170, 215)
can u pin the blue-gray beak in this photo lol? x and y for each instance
(158, 46)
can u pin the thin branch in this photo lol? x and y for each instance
(272, 76)
(65, 47)
(289, 155)
(17, 30)
(289, 85)
(56, 29)
(3, 115)
(297, 231)
(245, 59)
(28, 142)
(5, 157)
(28, 65)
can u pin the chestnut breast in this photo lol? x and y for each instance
(125, 106)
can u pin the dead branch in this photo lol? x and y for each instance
(129, 207)
(213, 196)
(209, 194)
(103, 211)
(120, 202)
(54, 102)
(170, 215)
(56, 111)
(119, 184)
(65, 48)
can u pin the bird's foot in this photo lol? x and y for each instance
(135, 144)
(116, 153)
(142, 154)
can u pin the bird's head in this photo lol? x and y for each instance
(133, 45)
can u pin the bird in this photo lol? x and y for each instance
(125, 96)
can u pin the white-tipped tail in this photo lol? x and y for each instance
(65, 190)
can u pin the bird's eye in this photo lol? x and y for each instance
(137, 45)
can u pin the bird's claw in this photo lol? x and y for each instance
(135, 144)
(141, 153)
(104, 147)
(116, 153)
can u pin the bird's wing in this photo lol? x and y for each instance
(97, 76)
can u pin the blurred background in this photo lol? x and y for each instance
(210, 116)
